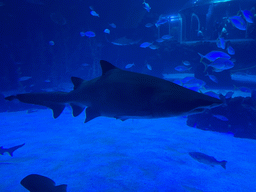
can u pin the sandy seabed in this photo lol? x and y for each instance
(109, 155)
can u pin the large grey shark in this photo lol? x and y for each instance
(123, 95)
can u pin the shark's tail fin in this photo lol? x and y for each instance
(53, 100)
(12, 149)
(223, 164)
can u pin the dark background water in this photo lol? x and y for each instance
(27, 26)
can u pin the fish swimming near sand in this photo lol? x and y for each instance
(206, 159)
(39, 183)
(10, 150)
(123, 95)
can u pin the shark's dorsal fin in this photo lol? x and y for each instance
(106, 66)
(76, 81)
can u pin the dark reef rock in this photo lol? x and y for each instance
(238, 117)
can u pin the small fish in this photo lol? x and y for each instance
(213, 55)
(229, 94)
(153, 47)
(146, 6)
(160, 40)
(85, 64)
(224, 30)
(187, 63)
(145, 45)
(220, 117)
(182, 68)
(238, 22)
(200, 33)
(218, 43)
(222, 42)
(196, 89)
(166, 37)
(245, 89)
(149, 67)
(51, 43)
(195, 83)
(161, 22)
(213, 78)
(89, 34)
(129, 65)
(93, 13)
(39, 183)
(222, 64)
(148, 25)
(178, 82)
(212, 94)
(187, 79)
(24, 78)
(248, 16)
(107, 31)
(82, 34)
(113, 25)
(10, 150)
(123, 41)
(47, 81)
(206, 159)
(230, 50)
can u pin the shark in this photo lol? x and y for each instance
(10, 150)
(122, 95)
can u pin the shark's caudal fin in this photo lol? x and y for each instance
(50, 100)
(223, 164)
(10, 150)
(55, 100)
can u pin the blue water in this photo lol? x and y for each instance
(110, 155)
(44, 43)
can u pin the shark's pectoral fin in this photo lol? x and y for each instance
(91, 114)
(77, 110)
(56, 109)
